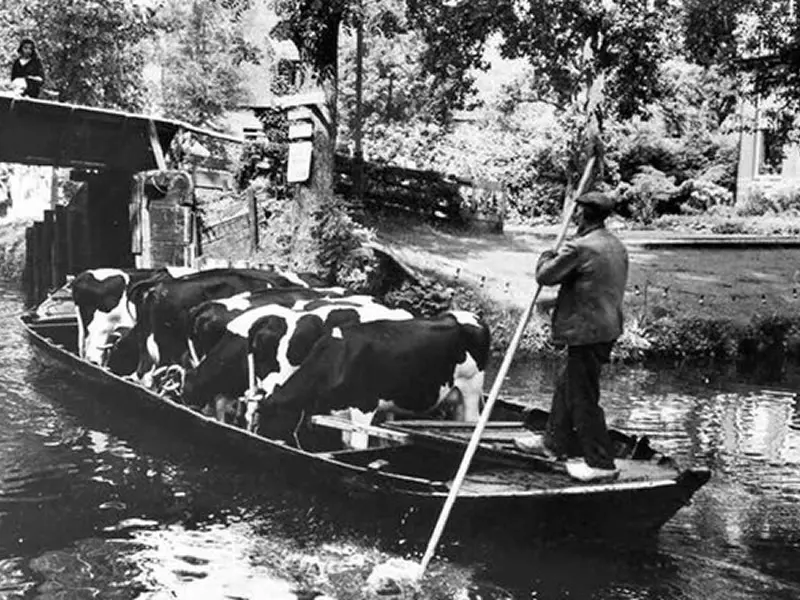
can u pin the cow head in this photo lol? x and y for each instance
(123, 358)
(275, 420)
(103, 312)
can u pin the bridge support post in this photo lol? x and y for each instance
(48, 250)
(60, 248)
(28, 273)
(39, 287)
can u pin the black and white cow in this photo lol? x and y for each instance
(208, 320)
(280, 339)
(104, 307)
(403, 367)
(162, 328)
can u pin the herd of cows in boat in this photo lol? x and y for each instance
(266, 349)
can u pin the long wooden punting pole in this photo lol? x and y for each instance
(495, 391)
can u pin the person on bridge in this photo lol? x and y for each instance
(592, 271)
(27, 73)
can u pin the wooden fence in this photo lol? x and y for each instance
(238, 234)
(52, 251)
(434, 195)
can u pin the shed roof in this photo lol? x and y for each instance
(43, 132)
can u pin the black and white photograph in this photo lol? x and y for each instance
(400, 300)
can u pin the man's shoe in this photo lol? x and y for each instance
(533, 443)
(578, 469)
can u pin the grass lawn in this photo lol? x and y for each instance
(734, 282)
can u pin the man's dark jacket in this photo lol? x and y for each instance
(592, 270)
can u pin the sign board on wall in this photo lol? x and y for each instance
(299, 167)
(298, 113)
(301, 130)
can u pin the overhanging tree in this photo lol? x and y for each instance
(590, 57)
(91, 48)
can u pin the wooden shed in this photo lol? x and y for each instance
(137, 207)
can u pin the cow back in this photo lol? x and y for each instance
(166, 307)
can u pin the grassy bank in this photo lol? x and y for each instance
(682, 303)
(750, 340)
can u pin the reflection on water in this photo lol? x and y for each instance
(97, 502)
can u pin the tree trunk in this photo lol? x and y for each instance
(318, 190)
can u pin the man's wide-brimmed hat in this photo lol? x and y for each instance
(598, 199)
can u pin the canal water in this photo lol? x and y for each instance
(97, 502)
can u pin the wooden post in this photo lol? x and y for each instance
(73, 258)
(48, 249)
(36, 275)
(155, 146)
(54, 183)
(252, 203)
(61, 250)
(27, 275)
(189, 252)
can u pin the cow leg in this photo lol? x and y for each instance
(224, 408)
(81, 335)
(251, 399)
(193, 358)
(148, 360)
(469, 380)
(359, 440)
(251, 373)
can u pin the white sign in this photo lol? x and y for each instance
(301, 130)
(299, 167)
(302, 99)
(301, 112)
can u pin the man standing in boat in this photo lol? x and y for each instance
(592, 271)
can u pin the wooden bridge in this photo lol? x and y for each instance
(41, 132)
(137, 207)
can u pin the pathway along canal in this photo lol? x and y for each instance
(96, 502)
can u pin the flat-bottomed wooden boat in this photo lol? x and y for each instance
(413, 466)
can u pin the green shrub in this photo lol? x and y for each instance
(756, 202)
(527, 155)
(650, 194)
(729, 227)
(694, 338)
(635, 145)
(644, 146)
(703, 195)
(786, 198)
(425, 299)
(340, 240)
(264, 159)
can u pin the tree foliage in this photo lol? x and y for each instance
(90, 48)
(204, 51)
(313, 27)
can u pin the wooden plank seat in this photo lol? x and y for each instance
(496, 447)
